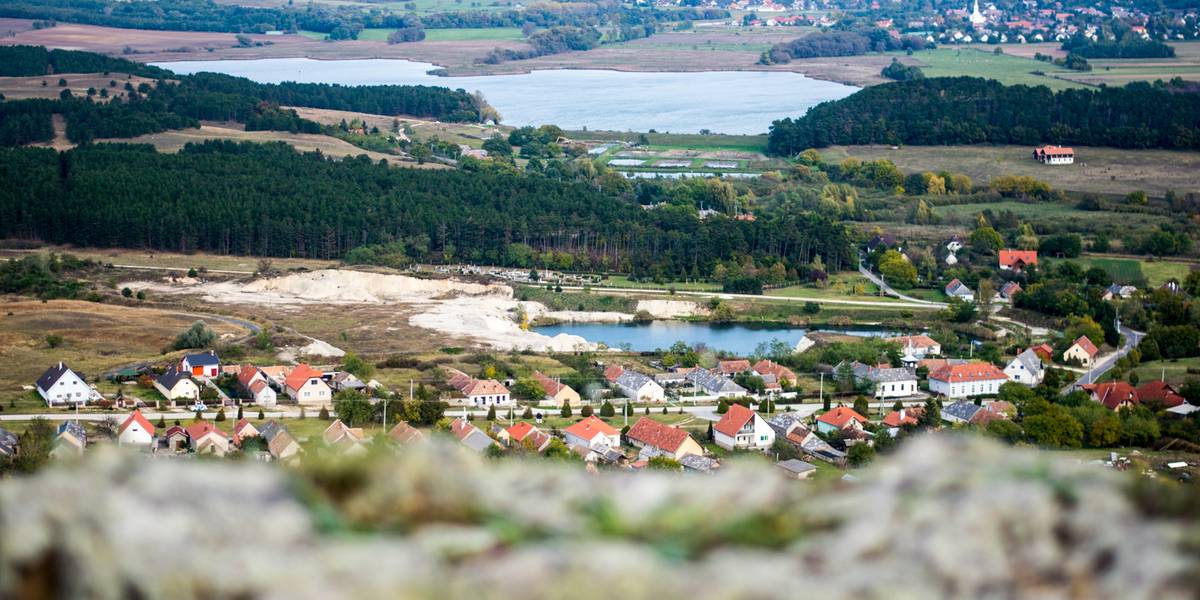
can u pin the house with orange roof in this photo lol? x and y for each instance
(662, 439)
(922, 346)
(1017, 260)
(486, 392)
(729, 368)
(403, 433)
(841, 418)
(306, 386)
(905, 417)
(1082, 351)
(967, 380)
(526, 435)
(243, 430)
(557, 393)
(770, 367)
(254, 384)
(612, 372)
(136, 430)
(206, 438)
(742, 428)
(1044, 352)
(1114, 395)
(1054, 155)
(592, 433)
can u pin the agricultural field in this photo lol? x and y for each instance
(1096, 170)
(1007, 69)
(1174, 372)
(474, 34)
(1133, 271)
(666, 159)
(690, 141)
(1060, 214)
(1185, 65)
(469, 134)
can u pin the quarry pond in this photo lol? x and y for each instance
(730, 102)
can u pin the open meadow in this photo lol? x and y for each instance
(1005, 68)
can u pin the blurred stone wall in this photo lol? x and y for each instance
(947, 517)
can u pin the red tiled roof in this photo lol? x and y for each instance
(734, 420)
(258, 386)
(1008, 258)
(1044, 351)
(201, 429)
(137, 417)
(551, 386)
(1055, 150)
(1087, 345)
(301, 374)
(916, 341)
(731, 367)
(519, 431)
(481, 387)
(764, 367)
(841, 416)
(979, 371)
(589, 427)
(404, 433)
(910, 417)
(1113, 394)
(612, 372)
(461, 427)
(1159, 392)
(246, 374)
(658, 435)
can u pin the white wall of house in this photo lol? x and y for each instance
(1077, 352)
(485, 400)
(756, 434)
(896, 389)
(599, 441)
(314, 392)
(649, 392)
(69, 389)
(966, 389)
(135, 435)
(266, 397)
(1017, 372)
(185, 389)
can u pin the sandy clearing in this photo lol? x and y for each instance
(490, 320)
(671, 309)
(314, 348)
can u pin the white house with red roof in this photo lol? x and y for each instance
(242, 430)
(486, 392)
(1017, 260)
(136, 430)
(557, 393)
(1054, 155)
(967, 380)
(742, 428)
(306, 386)
(592, 433)
(255, 384)
(662, 438)
(1082, 351)
(841, 418)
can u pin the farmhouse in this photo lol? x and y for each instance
(966, 380)
(556, 392)
(480, 392)
(741, 427)
(136, 430)
(59, 385)
(176, 386)
(1054, 155)
(1082, 351)
(671, 441)
(769, 367)
(729, 368)
(305, 386)
(203, 364)
(280, 443)
(1017, 260)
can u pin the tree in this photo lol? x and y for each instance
(220, 414)
(566, 410)
(239, 413)
(607, 409)
(586, 412)
(931, 417)
(861, 406)
(353, 364)
(261, 416)
(1083, 326)
(54, 340)
(860, 454)
(498, 146)
(491, 413)
(527, 388)
(528, 414)
(352, 407)
(709, 435)
(1054, 428)
(986, 240)
(196, 336)
(722, 406)
(126, 292)
(897, 270)
(1005, 430)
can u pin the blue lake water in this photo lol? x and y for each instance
(733, 102)
(739, 338)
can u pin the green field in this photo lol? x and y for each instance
(1009, 70)
(1174, 372)
(1133, 271)
(1047, 212)
(473, 35)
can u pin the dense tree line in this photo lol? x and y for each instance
(271, 200)
(968, 110)
(26, 121)
(1126, 48)
(555, 40)
(899, 71)
(25, 61)
(839, 43)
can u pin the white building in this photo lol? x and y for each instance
(967, 380)
(639, 387)
(1026, 368)
(176, 385)
(60, 386)
(136, 430)
(592, 433)
(887, 382)
(743, 428)
(306, 386)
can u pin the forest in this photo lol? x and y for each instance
(555, 40)
(969, 110)
(25, 61)
(1126, 48)
(839, 43)
(268, 199)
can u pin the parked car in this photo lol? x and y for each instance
(199, 407)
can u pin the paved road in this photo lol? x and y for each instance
(888, 290)
(1132, 339)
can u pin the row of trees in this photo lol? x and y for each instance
(25, 61)
(969, 110)
(267, 199)
(555, 40)
(839, 43)
(1129, 47)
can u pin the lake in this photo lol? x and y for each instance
(738, 338)
(733, 102)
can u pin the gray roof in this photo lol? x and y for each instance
(795, 465)
(1032, 362)
(269, 430)
(958, 288)
(694, 462)
(171, 377)
(877, 375)
(962, 409)
(8, 442)
(632, 380)
(715, 383)
(477, 440)
(52, 375)
(208, 358)
(75, 429)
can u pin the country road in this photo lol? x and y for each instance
(1132, 339)
(888, 290)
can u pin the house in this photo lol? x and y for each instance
(966, 380)
(1119, 394)
(347, 440)
(203, 364)
(612, 372)
(341, 380)
(556, 392)
(177, 386)
(955, 244)
(1054, 155)
(921, 344)
(206, 438)
(769, 367)
(1044, 352)
(729, 368)
(280, 443)
(175, 439)
(1008, 291)
(471, 436)
(8, 443)
(403, 433)
(592, 433)
(958, 289)
(790, 427)
(715, 384)
(243, 430)
(794, 468)
(305, 386)
(742, 428)
(638, 387)
(963, 411)
(254, 384)
(1017, 260)
(888, 382)
(667, 440)
(1159, 394)
(528, 436)
(905, 417)
(1083, 351)
(60, 386)
(70, 440)
(136, 430)
(886, 240)
(486, 392)
(1026, 368)
(1116, 291)
(841, 418)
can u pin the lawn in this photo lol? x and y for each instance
(1174, 372)
(1009, 70)
(622, 281)
(1048, 212)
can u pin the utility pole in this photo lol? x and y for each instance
(821, 394)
